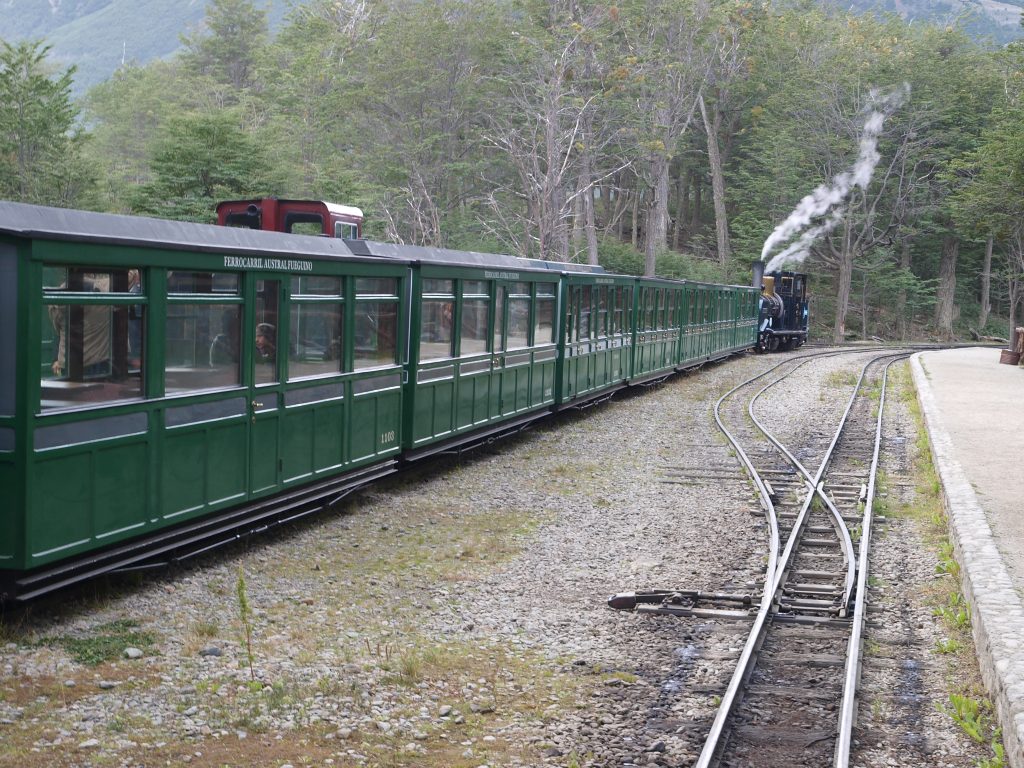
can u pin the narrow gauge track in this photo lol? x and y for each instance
(792, 697)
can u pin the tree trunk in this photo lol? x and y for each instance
(637, 195)
(695, 205)
(656, 236)
(986, 287)
(586, 198)
(864, 307)
(681, 193)
(577, 220)
(901, 298)
(946, 292)
(843, 286)
(712, 127)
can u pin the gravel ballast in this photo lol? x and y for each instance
(457, 616)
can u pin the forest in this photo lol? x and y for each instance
(664, 137)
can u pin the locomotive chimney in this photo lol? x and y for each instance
(758, 279)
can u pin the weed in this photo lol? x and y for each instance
(205, 629)
(879, 711)
(947, 560)
(950, 645)
(971, 714)
(998, 759)
(955, 611)
(245, 614)
(410, 668)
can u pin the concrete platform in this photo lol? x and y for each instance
(974, 412)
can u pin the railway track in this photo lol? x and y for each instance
(792, 697)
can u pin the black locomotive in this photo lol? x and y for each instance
(782, 319)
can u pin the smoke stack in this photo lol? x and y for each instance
(758, 279)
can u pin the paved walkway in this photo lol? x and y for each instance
(974, 412)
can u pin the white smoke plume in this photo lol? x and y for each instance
(827, 199)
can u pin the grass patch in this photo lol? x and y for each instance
(841, 379)
(106, 643)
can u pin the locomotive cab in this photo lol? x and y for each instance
(301, 217)
(782, 319)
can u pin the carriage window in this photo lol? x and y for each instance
(304, 223)
(437, 319)
(519, 316)
(8, 328)
(583, 325)
(649, 309)
(202, 282)
(475, 307)
(376, 325)
(376, 332)
(346, 230)
(499, 318)
(92, 340)
(544, 323)
(315, 331)
(202, 336)
(316, 285)
(787, 286)
(376, 286)
(601, 322)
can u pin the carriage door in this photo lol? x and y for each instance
(263, 339)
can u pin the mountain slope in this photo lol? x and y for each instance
(998, 20)
(98, 35)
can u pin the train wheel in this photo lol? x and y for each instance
(773, 344)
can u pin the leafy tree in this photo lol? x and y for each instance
(40, 146)
(229, 47)
(200, 160)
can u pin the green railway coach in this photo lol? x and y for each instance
(483, 352)
(156, 372)
(168, 386)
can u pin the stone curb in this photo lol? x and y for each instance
(997, 614)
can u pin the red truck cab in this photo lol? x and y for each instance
(303, 217)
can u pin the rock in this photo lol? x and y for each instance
(133, 653)
(89, 744)
(343, 733)
(106, 685)
(658, 746)
(69, 683)
(190, 711)
(444, 711)
(211, 651)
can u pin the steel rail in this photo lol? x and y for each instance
(846, 543)
(743, 665)
(842, 531)
(848, 707)
(776, 562)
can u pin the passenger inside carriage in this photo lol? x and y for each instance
(266, 348)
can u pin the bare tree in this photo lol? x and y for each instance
(667, 44)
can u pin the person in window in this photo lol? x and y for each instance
(95, 335)
(266, 349)
(224, 347)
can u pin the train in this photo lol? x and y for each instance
(167, 387)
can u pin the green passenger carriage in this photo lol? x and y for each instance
(167, 386)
